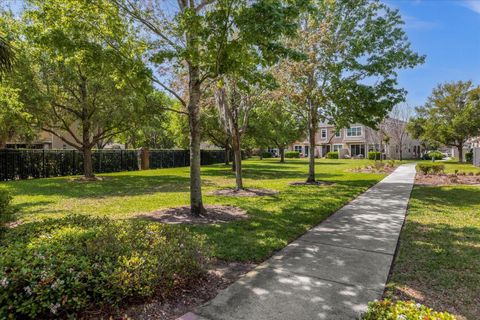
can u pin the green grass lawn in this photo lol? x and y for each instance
(274, 220)
(439, 259)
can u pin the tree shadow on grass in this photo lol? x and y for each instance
(458, 196)
(124, 185)
(438, 265)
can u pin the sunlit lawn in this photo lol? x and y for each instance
(274, 220)
(439, 258)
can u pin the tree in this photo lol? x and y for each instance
(395, 127)
(75, 84)
(214, 132)
(200, 40)
(275, 125)
(450, 116)
(352, 49)
(6, 55)
(234, 107)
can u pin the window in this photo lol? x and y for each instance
(337, 134)
(323, 134)
(298, 148)
(357, 149)
(354, 132)
(337, 147)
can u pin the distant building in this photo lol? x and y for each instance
(44, 140)
(357, 140)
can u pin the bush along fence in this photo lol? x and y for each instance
(27, 164)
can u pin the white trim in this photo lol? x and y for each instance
(339, 132)
(326, 134)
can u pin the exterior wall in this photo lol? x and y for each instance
(45, 140)
(476, 157)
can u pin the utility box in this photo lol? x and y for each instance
(476, 157)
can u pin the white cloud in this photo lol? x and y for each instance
(415, 23)
(473, 5)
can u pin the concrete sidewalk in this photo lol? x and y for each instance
(332, 271)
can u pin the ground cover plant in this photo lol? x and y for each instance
(438, 263)
(59, 267)
(388, 310)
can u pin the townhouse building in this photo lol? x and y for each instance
(356, 141)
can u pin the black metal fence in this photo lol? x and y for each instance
(32, 163)
(181, 158)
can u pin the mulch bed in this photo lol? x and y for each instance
(247, 192)
(370, 169)
(446, 179)
(186, 298)
(314, 183)
(181, 215)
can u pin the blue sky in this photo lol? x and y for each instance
(448, 33)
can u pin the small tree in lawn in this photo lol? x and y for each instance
(202, 40)
(214, 132)
(274, 125)
(450, 116)
(75, 84)
(234, 107)
(353, 50)
(395, 127)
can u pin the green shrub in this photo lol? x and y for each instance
(434, 168)
(58, 268)
(292, 154)
(332, 155)
(469, 157)
(6, 210)
(388, 310)
(433, 155)
(374, 155)
(266, 155)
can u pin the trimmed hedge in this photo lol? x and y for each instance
(61, 267)
(434, 168)
(374, 155)
(388, 310)
(292, 154)
(469, 157)
(266, 155)
(433, 155)
(332, 155)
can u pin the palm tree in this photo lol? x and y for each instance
(6, 56)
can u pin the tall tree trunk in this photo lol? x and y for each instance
(237, 152)
(460, 152)
(227, 153)
(281, 151)
(196, 202)
(87, 163)
(312, 128)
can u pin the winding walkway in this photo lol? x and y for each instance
(332, 271)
